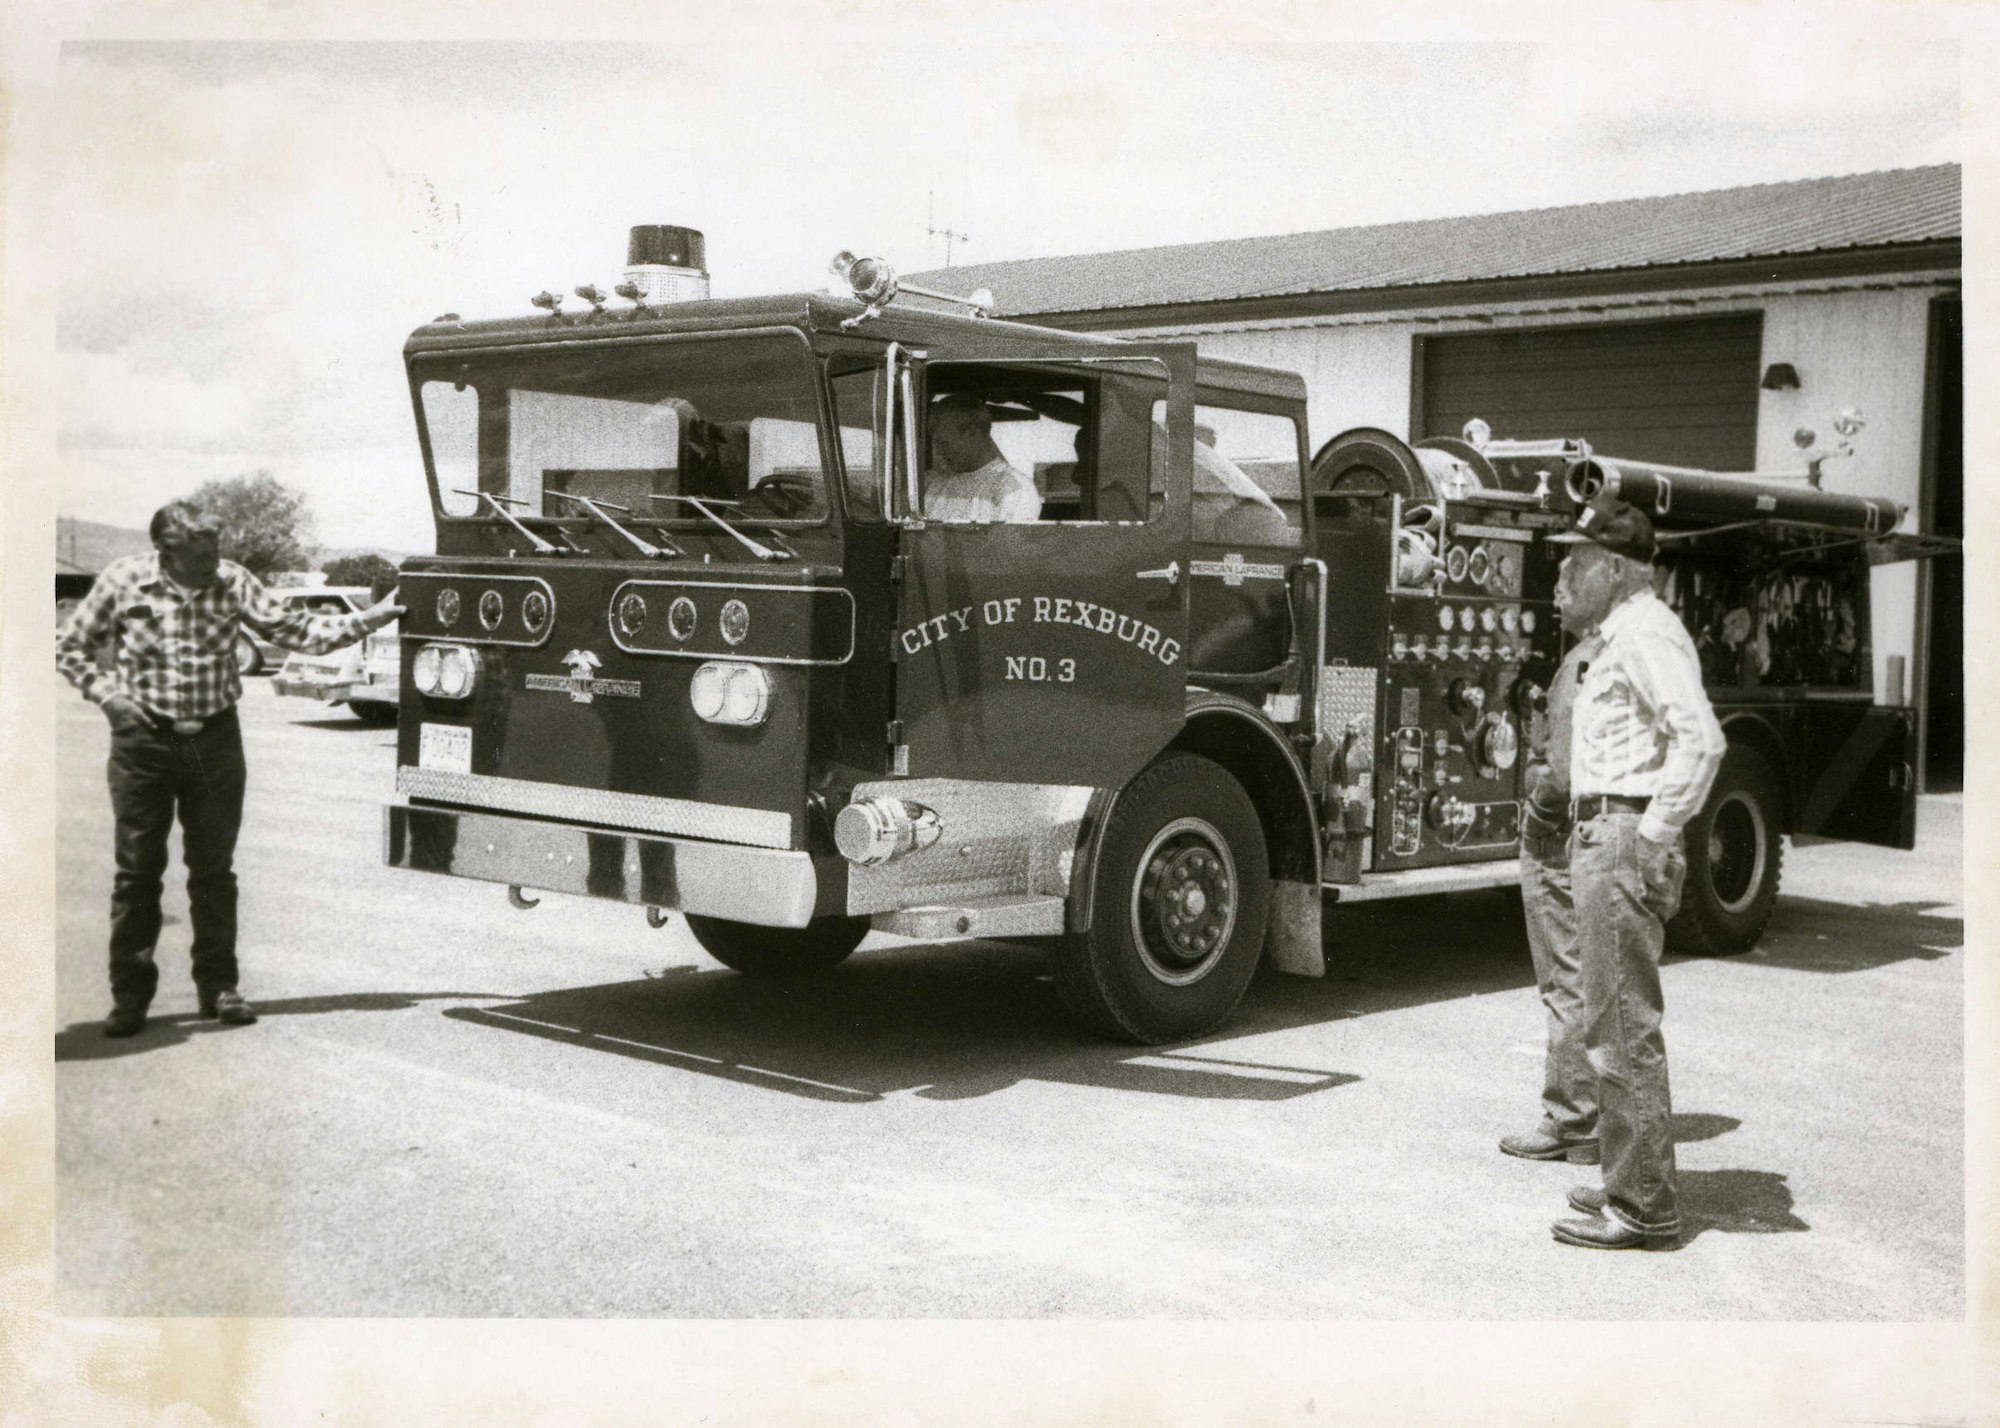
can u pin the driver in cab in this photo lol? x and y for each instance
(969, 480)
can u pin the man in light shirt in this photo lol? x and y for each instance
(969, 479)
(1644, 748)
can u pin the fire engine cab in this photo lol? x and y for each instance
(701, 635)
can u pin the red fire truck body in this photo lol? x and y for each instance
(690, 642)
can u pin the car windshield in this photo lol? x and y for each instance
(733, 422)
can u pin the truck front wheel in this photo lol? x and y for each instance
(778, 951)
(1181, 895)
(1734, 857)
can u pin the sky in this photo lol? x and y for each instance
(248, 230)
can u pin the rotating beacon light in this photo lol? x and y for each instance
(665, 264)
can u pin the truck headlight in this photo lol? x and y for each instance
(445, 671)
(730, 694)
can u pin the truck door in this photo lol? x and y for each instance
(1050, 647)
(1857, 774)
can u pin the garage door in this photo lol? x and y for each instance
(1682, 392)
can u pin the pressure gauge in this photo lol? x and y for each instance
(1466, 617)
(1528, 622)
(1510, 619)
(1446, 619)
(1488, 618)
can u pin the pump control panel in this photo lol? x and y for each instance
(1462, 650)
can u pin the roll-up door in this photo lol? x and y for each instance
(1683, 391)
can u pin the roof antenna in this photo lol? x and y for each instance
(949, 235)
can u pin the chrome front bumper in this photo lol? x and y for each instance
(772, 887)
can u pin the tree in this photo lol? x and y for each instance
(368, 569)
(266, 525)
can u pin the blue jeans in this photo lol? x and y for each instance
(1569, 1086)
(155, 775)
(1626, 887)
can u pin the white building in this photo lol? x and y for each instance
(1701, 329)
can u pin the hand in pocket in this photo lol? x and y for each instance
(1663, 869)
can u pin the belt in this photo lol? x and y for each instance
(188, 728)
(1598, 803)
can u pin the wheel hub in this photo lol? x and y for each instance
(1184, 901)
(1737, 852)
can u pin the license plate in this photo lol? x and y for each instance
(447, 747)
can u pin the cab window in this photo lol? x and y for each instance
(1074, 445)
(1246, 475)
(728, 420)
(1015, 443)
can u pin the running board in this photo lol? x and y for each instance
(976, 917)
(1421, 882)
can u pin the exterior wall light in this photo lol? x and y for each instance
(1780, 377)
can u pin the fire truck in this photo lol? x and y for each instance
(691, 642)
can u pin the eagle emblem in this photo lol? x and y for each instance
(581, 684)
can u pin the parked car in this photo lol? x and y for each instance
(364, 677)
(255, 654)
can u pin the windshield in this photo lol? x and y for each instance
(722, 419)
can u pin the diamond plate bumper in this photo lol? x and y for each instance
(771, 887)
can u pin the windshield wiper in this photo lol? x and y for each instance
(541, 546)
(702, 504)
(602, 510)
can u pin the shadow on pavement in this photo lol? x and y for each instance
(1811, 935)
(1737, 1202)
(1405, 952)
(1701, 1125)
(349, 723)
(907, 1020)
(86, 1041)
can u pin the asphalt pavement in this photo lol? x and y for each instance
(452, 1107)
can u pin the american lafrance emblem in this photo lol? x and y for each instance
(1234, 569)
(581, 683)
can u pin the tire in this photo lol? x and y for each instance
(372, 711)
(1182, 893)
(1735, 855)
(778, 951)
(248, 660)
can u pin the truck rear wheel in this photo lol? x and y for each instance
(1734, 857)
(759, 951)
(1182, 892)
(248, 660)
(373, 711)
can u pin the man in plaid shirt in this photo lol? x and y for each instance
(169, 621)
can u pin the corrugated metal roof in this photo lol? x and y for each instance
(1855, 211)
